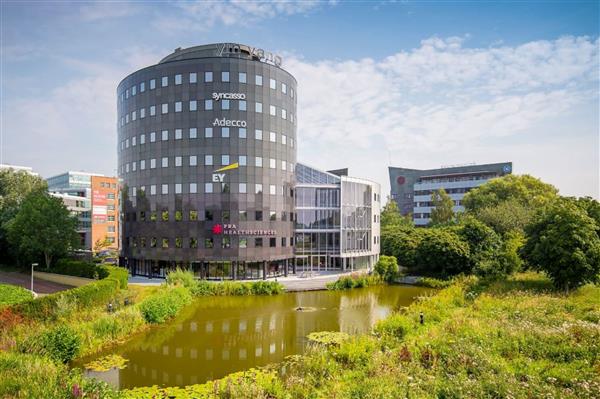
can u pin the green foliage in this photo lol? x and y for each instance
(11, 294)
(165, 305)
(237, 288)
(108, 362)
(78, 268)
(396, 326)
(402, 244)
(563, 242)
(354, 280)
(387, 268)
(444, 253)
(506, 260)
(60, 344)
(506, 216)
(431, 282)
(391, 216)
(328, 338)
(442, 212)
(43, 226)
(30, 376)
(181, 277)
(119, 274)
(524, 189)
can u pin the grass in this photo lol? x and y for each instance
(516, 338)
(355, 280)
(11, 294)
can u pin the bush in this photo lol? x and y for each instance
(396, 326)
(60, 344)
(119, 274)
(431, 282)
(355, 280)
(443, 252)
(387, 268)
(11, 294)
(402, 243)
(236, 288)
(181, 277)
(165, 304)
(79, 268)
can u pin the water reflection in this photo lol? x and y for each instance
(217, 336)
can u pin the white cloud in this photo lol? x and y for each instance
(99, 10)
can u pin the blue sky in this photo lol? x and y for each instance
(413, 84)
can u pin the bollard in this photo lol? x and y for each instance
(110, 307)
(422, 318)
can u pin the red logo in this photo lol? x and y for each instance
(401, 180)
(217, 229)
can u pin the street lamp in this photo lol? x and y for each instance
(32, 266)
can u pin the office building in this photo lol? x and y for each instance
(412, 188)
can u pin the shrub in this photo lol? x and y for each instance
(119, 274)
(443, 252)
(165, 304)
(402, 243)
(181, 277)
(387, 268)
(11, 294)
(60, 344)
(431, 282)
(396, 326)
(205, 288)
(79, 268)
(355, 280)
(328, 338)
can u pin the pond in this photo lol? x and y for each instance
(216, 336)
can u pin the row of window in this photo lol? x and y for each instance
(192, 133)
(209, 188)
(209, 160)
(460, 190)
(242, 105)
(430, 203)
(209, 243)
(449, 179)
(192, 78)
(108, 185)
(193, 216)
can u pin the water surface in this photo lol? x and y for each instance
(216, 336)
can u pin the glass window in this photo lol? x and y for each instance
(177, 191)
(283, 88)
(127, 167)
(193, 133)
(193, 77)
(272, 110)
(273, 84)
(152, 110)
(165, 108)
(224, 159)
(178, 134)
(193, 160)
(165, 135)
(178, 242)
(224, 76)
(283, 113)
(178, 79)
(272, 241)
(193, 242)
(258, 134)
(242, 132)
(283, 165)
(258, 215)
(273, 137)
(273, 189)
(143, 164)
(153, 163)
(208, 160)
(165, 189)
(208, 105)
(242, 105)
(165, 162)
(193, 105)
(224, 132)
(258, 80)
(242, 160)
(127, 118)
(292, 92)
(283, 139)
(208, 76)
(208, 243)
(208, 132)
(242, 188)
(291, 142)
(142, 113)
(225, 216)
(272, 163)
(193, 190)
(142, 138)
(208, 187)
(258, 162)
(258, 107)
(258, 188)
(152, 137)
(243, 243)
(242, 77)
(258, 242)
(208, 215)
(243, 216)
(153, 189)
(142, 87)
(152, 84)
(133, 167)
(165, 243)
(226, 242)
(177, 106)
(177, 161)
(133, 115)
(224, 104)
(283, 241)
(193, 214)
(165, 81)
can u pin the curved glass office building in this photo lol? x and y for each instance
(207, 154)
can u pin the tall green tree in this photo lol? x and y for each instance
(442, 213)
(391, 216)
(563, 242)
(43, 226)
(14, 187)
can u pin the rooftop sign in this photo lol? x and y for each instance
(264, 56)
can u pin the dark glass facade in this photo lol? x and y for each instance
(207, 154)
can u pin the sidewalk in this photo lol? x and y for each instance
(291, 283)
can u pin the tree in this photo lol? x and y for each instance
(43, 226)
(442, 252)
(524, 189)
(101, 244)
(390, 216)
(14, 187)
(387, 268)
(483, 241)
(563, 242)
(507, 216)
(442, 213)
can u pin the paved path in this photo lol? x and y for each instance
(24, 280)
(317, 281)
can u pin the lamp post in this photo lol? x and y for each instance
(32, 266)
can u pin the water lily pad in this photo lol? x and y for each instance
(107, 362)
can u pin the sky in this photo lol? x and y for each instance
(416, 84)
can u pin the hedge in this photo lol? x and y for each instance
(79, 268)
(165, 305)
